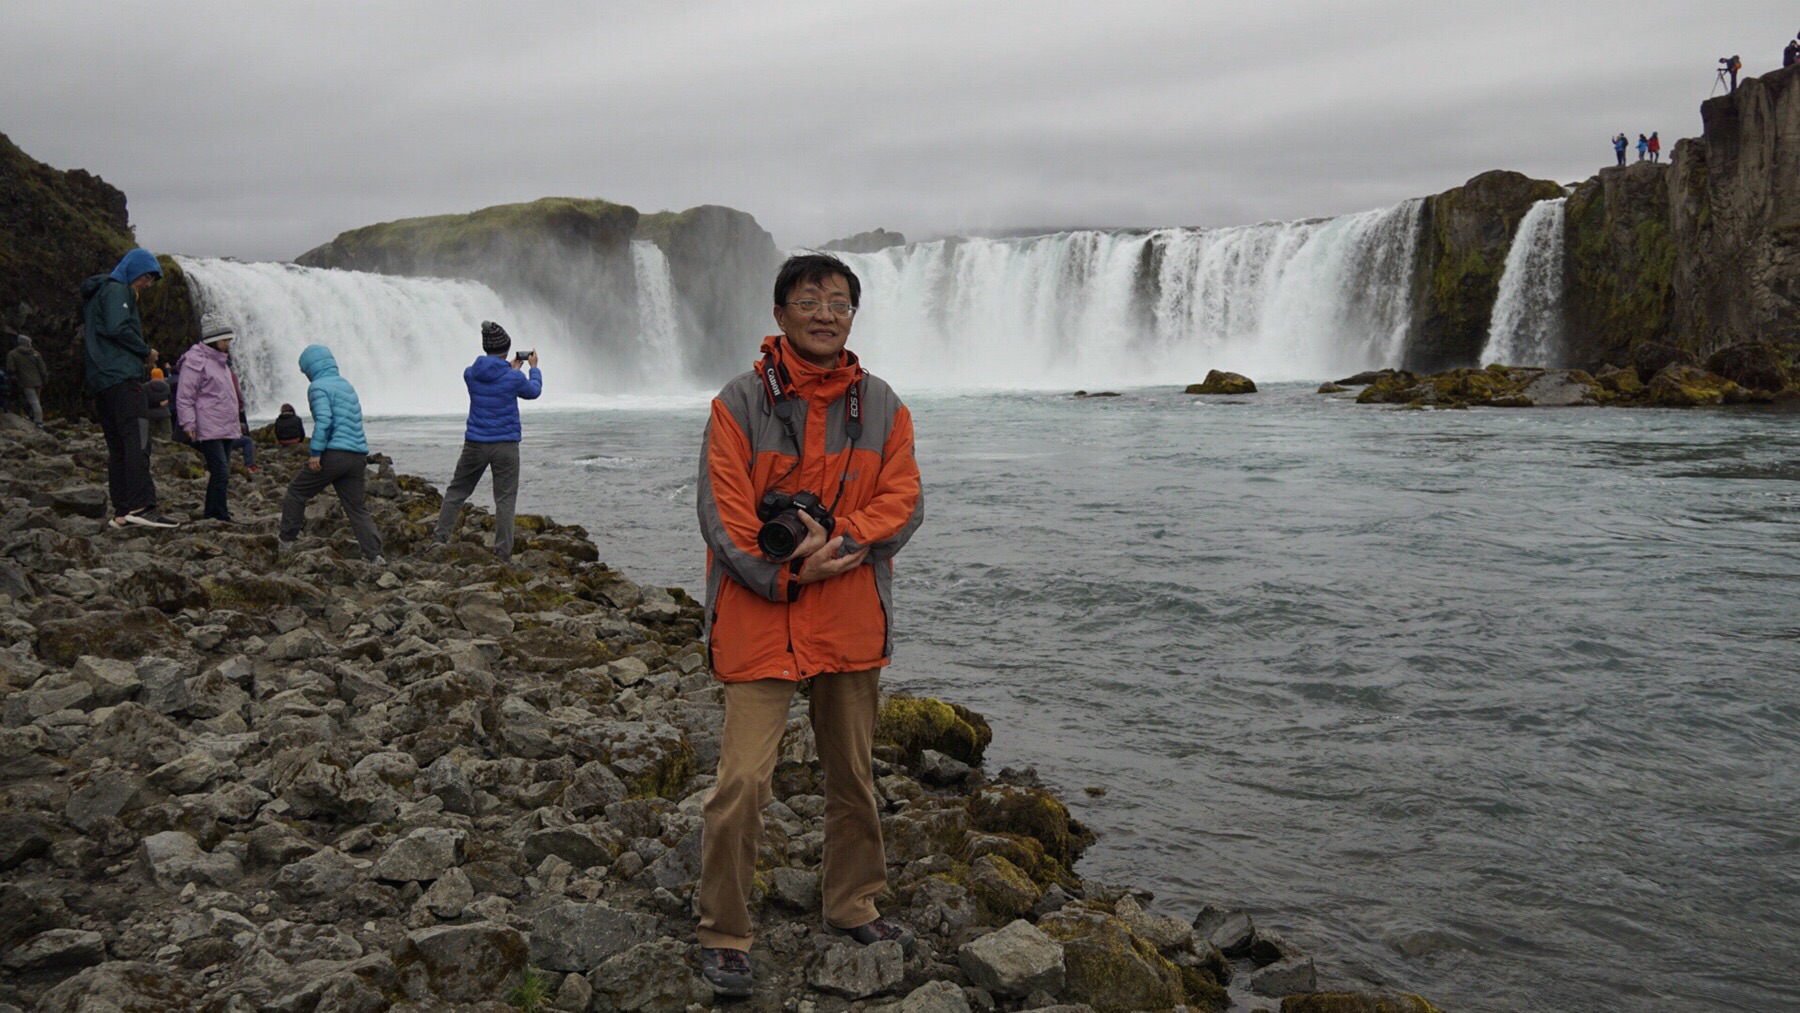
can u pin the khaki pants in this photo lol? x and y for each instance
(843, 710)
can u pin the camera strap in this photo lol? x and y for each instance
(776, 384)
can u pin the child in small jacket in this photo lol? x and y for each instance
(340, 456)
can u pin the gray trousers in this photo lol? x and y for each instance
(342, 470)
(33, 404)
(476, 458)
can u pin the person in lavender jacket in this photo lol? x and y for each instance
(207, 407)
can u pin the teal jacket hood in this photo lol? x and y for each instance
(135, 265)
(317, 361)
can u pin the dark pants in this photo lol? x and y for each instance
(248, 446)
(121, 407)
(218, 477)
(475, 459)
(343, 471)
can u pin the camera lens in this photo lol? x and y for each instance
(781, 536)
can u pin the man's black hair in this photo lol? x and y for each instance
(815, 268)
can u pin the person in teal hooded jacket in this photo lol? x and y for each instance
(117, 357)
(339, 458)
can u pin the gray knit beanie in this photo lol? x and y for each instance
(494, 339)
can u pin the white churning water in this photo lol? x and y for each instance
(1527, 327)
(1282, 300)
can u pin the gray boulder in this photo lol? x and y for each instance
(447, 781)
(579, 937)
(190, 773)
(106, 796)
(934, 997)
(22, 838)
(57, 948)
(582, 846)
(855, 971)
(449, 895)
(113, 681)
(175, 860)
(1286, 977)
(463, 963)
(422, 856)
(484, 614)
(327, 872)
(797, 888)
(1016, 960)
(1231, 931)
(656, 977)
(592, 789)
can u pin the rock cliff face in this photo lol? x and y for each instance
(723, 265)
(56, 228)
(873, 241)
(1734, 219)
(1465, 234)
(570, 255)
(1619, 262)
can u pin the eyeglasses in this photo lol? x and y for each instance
(811, 307)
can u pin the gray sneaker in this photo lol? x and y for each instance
(149, 518)
(283, 548)
(877, 931)
(726, 970)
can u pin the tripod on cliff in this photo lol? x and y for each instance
(1719, 78)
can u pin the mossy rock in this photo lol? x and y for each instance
(1753, 366)
(124, 635)
(1680, 386)
(1112, 970)
(249, 591)
(1356, 1002)
(1026, 853)
(1002, 889)
(1332, 388)
(1035, 813)
(915, 724)
(544, 649)
(171, 320)
(163, 589)
(458, 244)
(1221, 382)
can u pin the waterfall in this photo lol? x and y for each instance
(1288, 300)
(404, 342)
(1527, 327)
(658, 315)
(1277, 301)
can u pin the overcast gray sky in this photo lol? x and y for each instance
(261, 130)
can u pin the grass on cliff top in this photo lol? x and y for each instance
(45, 190)
(447, 237)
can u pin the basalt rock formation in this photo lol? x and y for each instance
(56, 228)
(1464, 236)
(723, 266)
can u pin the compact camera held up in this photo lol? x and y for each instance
(782, 530)
(525, 355)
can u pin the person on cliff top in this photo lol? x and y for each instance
(491, 438)
(807, 488)
(340, 457)
(26, 366)
(116, 357)
(1619, 144)
(161, 399)
(289, 430)
(1643, 147)
(207, 407)
(1790, 53)
(1655, 144)
(1732, 66)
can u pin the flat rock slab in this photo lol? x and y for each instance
(422, 856)
(465, 963)
(1016, 960)
(580, 937)
(175, 860)
(656, 976)
(855, 971)
(56, 948)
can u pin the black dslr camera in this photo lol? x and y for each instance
(782, 532)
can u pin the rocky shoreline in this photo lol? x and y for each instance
(229, 783)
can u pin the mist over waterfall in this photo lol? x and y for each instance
(1278, 301)
(1527, 327)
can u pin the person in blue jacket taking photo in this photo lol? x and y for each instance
(493, 433)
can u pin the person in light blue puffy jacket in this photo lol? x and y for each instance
(492, 435)
(339, 458)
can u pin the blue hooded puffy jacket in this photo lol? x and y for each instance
(495, 388)
(336, 410)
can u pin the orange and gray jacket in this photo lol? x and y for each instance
(762, 624)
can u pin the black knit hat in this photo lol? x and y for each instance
(494, 339)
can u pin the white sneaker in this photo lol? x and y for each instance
(147, 518)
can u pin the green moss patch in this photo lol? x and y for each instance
(915, 724)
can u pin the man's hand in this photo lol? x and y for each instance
(533, 359)
(312, 464)
(191, 436)
(820, 554)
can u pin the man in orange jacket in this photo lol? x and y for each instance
(807, 489)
